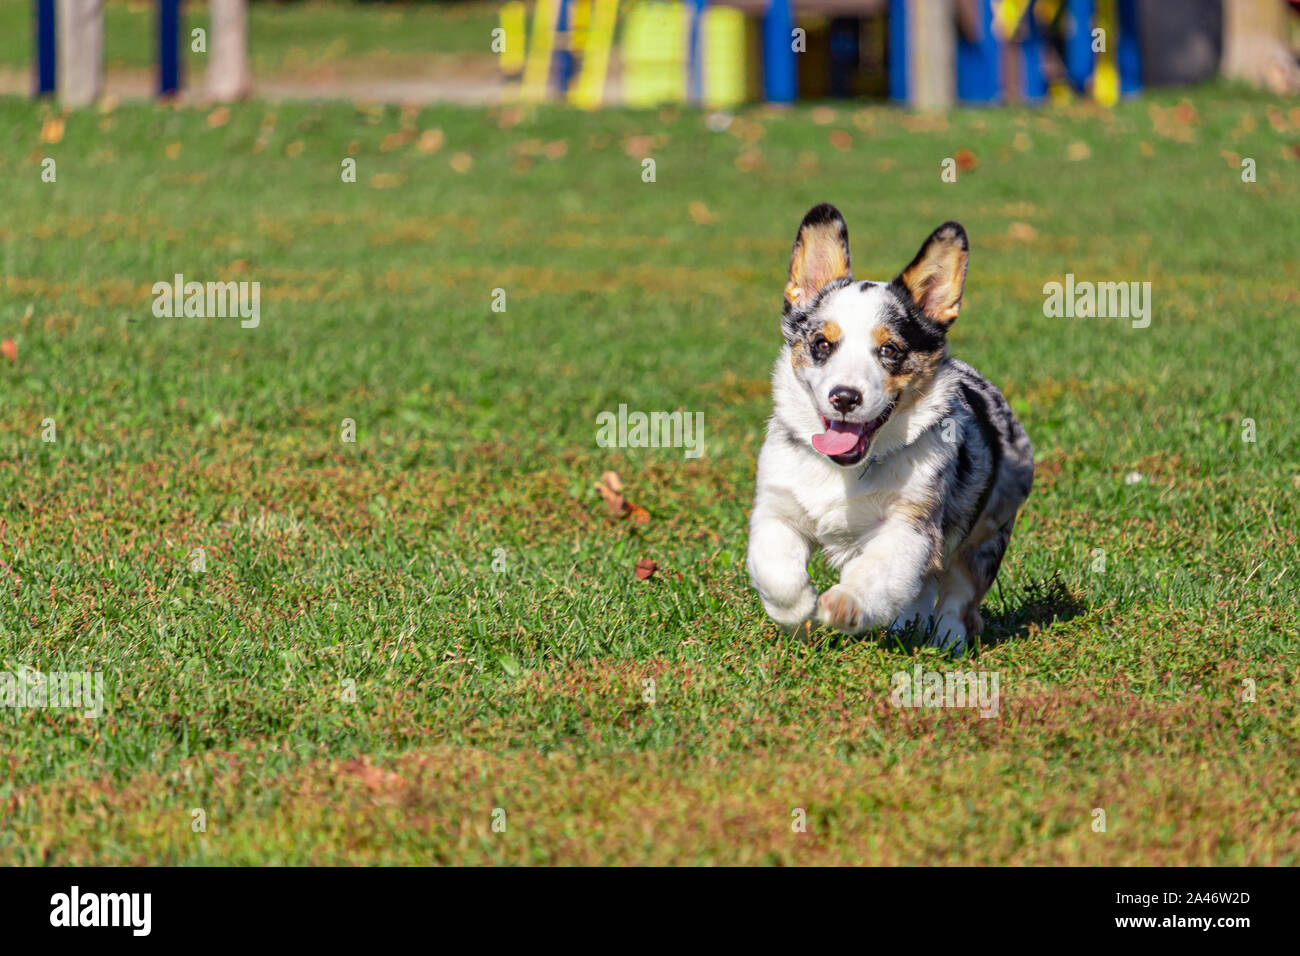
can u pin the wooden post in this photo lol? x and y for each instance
(933, 38)
(228, 74)
(81, 51)
(922, 52)
(1255, 45)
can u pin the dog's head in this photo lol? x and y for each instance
(863, 349)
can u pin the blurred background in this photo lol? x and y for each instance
(597, 53)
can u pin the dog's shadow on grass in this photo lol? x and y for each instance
(1014, 615)
(1038, 603)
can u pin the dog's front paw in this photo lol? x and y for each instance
(838, 608)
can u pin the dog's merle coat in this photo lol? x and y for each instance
(922, 466)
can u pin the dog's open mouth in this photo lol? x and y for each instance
(845, 443)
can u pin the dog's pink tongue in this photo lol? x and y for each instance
(839, 437)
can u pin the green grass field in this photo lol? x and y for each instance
(318, 36)
(1129, 622)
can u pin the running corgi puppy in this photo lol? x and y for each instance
(905, 466)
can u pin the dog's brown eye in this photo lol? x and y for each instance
(888, 351)
(821, 347)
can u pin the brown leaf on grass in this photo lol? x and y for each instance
(52, 129)
(638, 147)
(218, 117)
(610, 488)
(645, 569)
(430, 141)
(841, 140)
(1022, 232)
(966, 160)
(9, 349)
(700, 213)
(749, 159)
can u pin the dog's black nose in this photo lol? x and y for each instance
(845, 399)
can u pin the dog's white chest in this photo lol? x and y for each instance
(843, 512)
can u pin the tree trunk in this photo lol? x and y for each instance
(81, 51)
(228, 75)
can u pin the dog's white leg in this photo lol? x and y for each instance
(881, 581)
(953, 610)
(919, 611)
(778, 565)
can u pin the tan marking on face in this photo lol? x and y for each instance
(831, 331)
(914, 377)
(799, 356)
(880, 335)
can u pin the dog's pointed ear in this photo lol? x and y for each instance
(820, 254)
(937, 275)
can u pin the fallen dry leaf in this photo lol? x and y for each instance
(966, 160)
(430, 141)
(9, 349)
(52, 129)
(610, 488)
(700, 213)
(645, 569)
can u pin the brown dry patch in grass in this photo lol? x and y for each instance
(436, 804)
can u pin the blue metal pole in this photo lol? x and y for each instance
(563, 56)
(46, 75)
(695, 66)
(1129, 51)
(169, 39)
(977, 61)
(779, 76)
(1078, 44)
(898, 65)
(1035, 80)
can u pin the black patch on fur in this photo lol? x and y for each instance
(913, 327)
(964, 465)
(794, 323)
(980, 409)
(987, 559)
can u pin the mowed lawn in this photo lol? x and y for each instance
(398, 642)
(321, 38)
